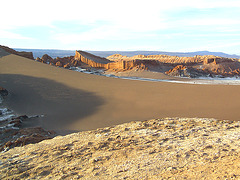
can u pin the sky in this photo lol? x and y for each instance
(169, 25)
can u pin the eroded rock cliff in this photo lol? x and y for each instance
(197, 66)
(193, 67)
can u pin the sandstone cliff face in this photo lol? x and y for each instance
(193, 67)
(98, 62)
(166, 58)
(169, 148)
(23, 53)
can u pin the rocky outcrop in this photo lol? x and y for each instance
(173, 59)
(46, 58)
(184, 71)
(169, 148)
(98, 62)
(213, 68)
(193, 67)
(65, 62)
(3, 92)
(13, 135)
(22, 53)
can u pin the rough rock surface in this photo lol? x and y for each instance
(197, 66)
(12, 134)
(65, 62)
(170, 148)
(172, 59)
(184, 71)
(99, 62)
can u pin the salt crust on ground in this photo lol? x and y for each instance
(174, 148)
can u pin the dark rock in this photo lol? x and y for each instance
(46, 58)
(3, 92)
(22, 53)
(25, 136)
(16, 122)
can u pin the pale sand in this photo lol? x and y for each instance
(76, 101)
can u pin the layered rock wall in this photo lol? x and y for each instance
(98, 62)
(172, 59)
(91, 60)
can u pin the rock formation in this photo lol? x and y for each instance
(184, 71)
(12, 133)
(197, 66)
(3, 92)
(164, 58)
(46, 58)
(193, 67)
(22, 53)
(98, 62)
(65, 62)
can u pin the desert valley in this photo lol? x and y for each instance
(119, 117)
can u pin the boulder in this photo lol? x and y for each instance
(59, 64)
(16, 138)
(38, 59)
(46, 58)
(67, 66)
(3, 92)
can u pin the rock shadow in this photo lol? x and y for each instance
(61, 105)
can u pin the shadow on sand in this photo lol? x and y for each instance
(61, 105)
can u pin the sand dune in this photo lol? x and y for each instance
(77, 101)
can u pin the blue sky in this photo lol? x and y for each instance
(172, 25)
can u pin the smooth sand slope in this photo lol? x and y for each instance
(77, 101)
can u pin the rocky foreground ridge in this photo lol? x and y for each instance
(169, 148)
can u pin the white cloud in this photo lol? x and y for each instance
(212, 22)
(101, 33)
(116, 20)
(9, 35)
(126, 12)
(134, 15)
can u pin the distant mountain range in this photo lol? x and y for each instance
(63, 53)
